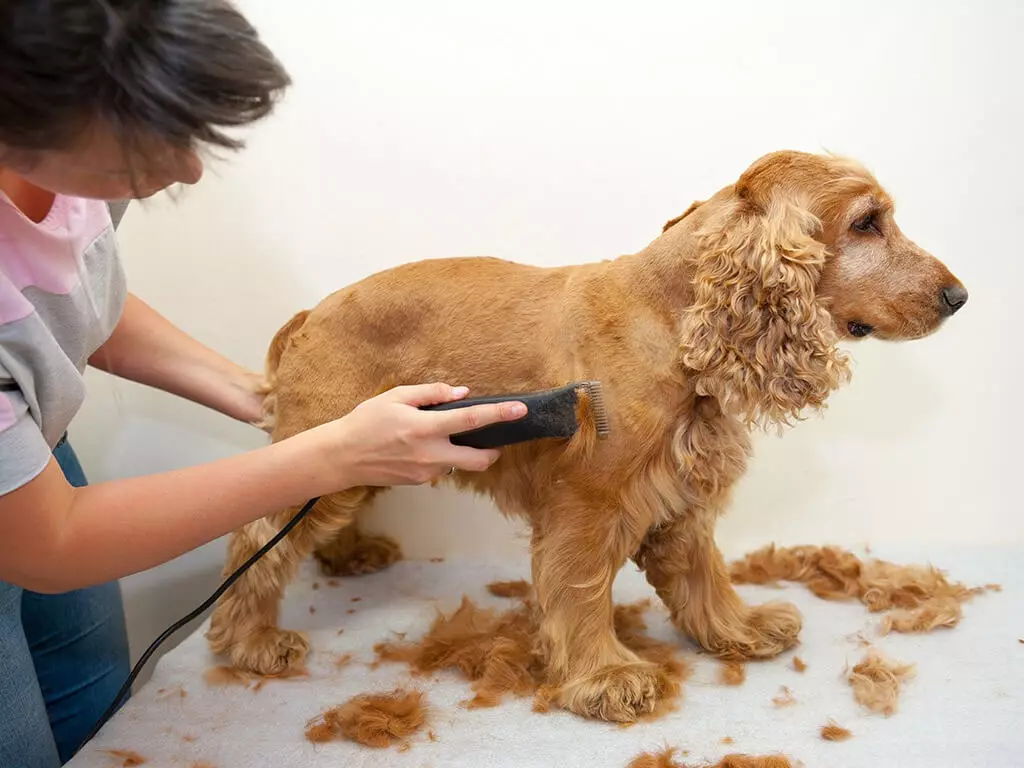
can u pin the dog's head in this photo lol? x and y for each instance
(802, 251)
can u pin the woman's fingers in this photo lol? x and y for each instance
(477, 416)
(418, 395)
(457, 420)
(471, 459)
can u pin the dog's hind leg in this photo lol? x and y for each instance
(354, 553)
(688, 572)
(577, 551)
(244, 624)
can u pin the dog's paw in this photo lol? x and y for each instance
(622, 693)
(776, 627)
(769, 630)
(270, 652)
(367, 554)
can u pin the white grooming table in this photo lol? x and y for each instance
(964, 708)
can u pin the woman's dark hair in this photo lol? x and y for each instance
(177, 71)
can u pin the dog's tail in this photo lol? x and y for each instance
(269, 386)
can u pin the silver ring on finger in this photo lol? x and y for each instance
(452, 471)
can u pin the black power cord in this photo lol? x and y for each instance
(197, 612)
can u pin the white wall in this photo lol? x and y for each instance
(558, 133)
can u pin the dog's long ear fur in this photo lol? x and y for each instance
(755, 337)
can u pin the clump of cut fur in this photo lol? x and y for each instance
(753, 761)
(372, 719)
(832, 731)
(935, 613)
(500, 654)
(920, 598)
(876, 682)
(495, 651)
(666, 759)
(799, 664)
(732, 673)
(516, 589)
(663, 759)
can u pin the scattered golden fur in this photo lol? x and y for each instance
(728, 320)
(937, 612)
(663, 759)
(753, 761)
(732, 673)
(799, 664)
(728, 740)
(666, 759)
(126, 757)
(222, 676)
(832, 731)
(177, 692)
(372, 719)
(342, 660)
(519, 588)
(919, 598)
(498, 652)
(876, 681)
(785, 698)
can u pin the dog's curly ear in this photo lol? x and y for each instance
(672, 222)
(755, 338)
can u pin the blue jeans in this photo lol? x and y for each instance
(62, 660)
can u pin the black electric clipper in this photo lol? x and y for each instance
(551, 413)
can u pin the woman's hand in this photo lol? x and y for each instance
(145, 347)
(245, 401)
(389, 441)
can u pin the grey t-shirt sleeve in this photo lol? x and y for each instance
(24, 452)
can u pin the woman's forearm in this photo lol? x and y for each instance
(147, 348)
(54, 537)
(150, 520)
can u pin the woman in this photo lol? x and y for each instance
(101, 100)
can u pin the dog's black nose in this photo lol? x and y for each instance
(953, 297)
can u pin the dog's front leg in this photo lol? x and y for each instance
(577, 550)
(685, 567)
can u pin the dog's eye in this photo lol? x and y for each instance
(868, 223)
